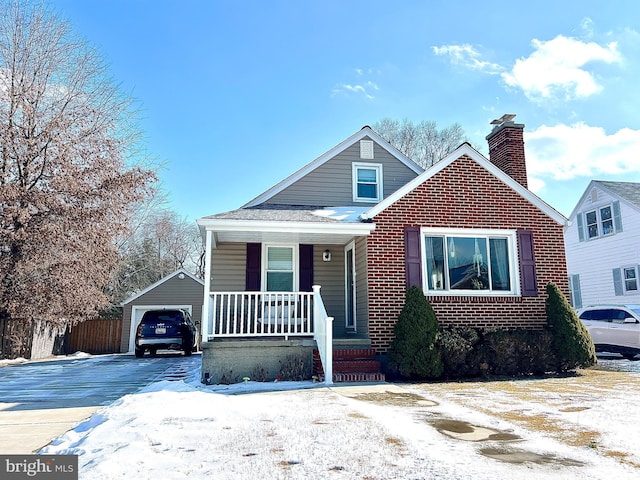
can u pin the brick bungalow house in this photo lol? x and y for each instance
(323, 259)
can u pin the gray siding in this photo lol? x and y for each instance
(331, 183)
(362, 293)
(228, 275)
(228, 267)
(174, 291)
(330, 276)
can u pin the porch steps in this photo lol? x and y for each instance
(351, 365)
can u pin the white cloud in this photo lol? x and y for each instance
(467, 56)
(557, 67)
(363, 88)
(563, 152)
(346, 89)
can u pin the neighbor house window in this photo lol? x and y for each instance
(279, 268)
(599, 222)
(470, 262)
(630, 279)
(367, 182)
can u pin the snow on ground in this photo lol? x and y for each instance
(177, 430)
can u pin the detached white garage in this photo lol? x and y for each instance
(180, 289)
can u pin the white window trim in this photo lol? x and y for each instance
(354, 177)
(624, 280)
(514, 265)
(265, 260)
(599, 222)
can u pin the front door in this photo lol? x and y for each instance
(350, 287)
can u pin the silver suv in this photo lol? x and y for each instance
(613, 328)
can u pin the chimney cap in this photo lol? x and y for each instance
(507, 117)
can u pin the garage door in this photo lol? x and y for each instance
(137, 311)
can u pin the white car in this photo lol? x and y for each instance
(613, 328)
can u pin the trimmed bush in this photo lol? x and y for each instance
(414, 353)
(518, 352)
(469, 352)
(571, 341)
(459, 348)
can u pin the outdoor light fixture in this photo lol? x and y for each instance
(181, 276)
(326, 255)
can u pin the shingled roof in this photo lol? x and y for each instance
(629, 191)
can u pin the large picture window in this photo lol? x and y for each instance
(470, 262)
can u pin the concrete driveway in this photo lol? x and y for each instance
(41, 400)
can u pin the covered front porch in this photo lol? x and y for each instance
(276, 290)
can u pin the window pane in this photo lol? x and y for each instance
(630, 281)
(434, 247)
(468, 263)
(280, 258)
(279, 281)
(607, 227)
(605, 213)
(499, 250)
(367, 191)
(592, 224)
(367, 175)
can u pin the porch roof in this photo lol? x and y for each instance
(288, 223)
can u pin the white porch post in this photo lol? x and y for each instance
(323, 333)
(328, 368)
(206, 313)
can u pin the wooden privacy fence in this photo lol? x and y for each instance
(95, 336)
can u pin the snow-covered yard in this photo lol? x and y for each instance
(560, 428)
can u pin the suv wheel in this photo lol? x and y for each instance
(139, 352)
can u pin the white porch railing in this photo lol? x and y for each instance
(323, 335)
(260, 314)
(271, 314)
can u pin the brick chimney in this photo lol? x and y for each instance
(506, 148)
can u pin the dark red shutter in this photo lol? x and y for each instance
(306, 268)
(254, 267)
(413, 263)
(527, 264)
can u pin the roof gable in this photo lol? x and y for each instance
(182, 271)
(628, 192)
(466, 150)
(330, 154)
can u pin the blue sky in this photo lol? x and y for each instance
(236, 95)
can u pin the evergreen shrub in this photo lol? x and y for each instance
(414, 352)
(571, 340)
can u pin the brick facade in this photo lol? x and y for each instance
(462, 195)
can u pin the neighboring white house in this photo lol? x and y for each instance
(602, 245)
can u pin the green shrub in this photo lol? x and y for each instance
(518, 352)
(414, 353)
(571, 341)
(459, 351)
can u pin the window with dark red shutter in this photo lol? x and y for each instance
(254, 267)
(529, 285)
(412, 256)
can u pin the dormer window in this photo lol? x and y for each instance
(367, 182)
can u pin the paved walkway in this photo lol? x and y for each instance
(40, 401)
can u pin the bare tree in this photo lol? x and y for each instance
(67, 137)
(162, 243)
(422, 142)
